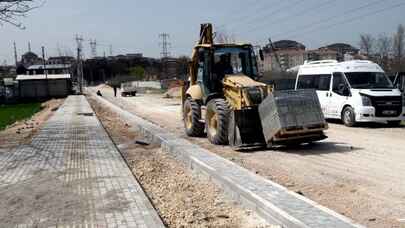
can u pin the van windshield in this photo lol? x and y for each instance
(368, 80)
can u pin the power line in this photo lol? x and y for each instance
(325, 27)
(331, 18)
(271, 13)
(243, 9)
(165, 45)
(289, 17)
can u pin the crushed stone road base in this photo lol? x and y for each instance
(273, 202)
(71, 175)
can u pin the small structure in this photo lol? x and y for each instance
(8, 90)
(42, 86)
(50, 69)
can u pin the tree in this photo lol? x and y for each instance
(11, 10)
(383, 49)
(398, 48)
(366, 44)
(138, 72)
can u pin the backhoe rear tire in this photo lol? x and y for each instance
(192, 118)
(217, 121)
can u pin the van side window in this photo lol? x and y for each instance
(306, 82)
(324, 82)
(338, 80)
(317, 82)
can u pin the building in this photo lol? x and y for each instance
(343, 51)
(50, 69)
(169, 68)
(29, 59)
(320, 54)
(7, 72)
(61, 60)
(290, 54)
(42, 86)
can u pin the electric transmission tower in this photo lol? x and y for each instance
(165, 45)
(93, 48)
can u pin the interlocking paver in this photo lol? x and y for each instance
(71, 175)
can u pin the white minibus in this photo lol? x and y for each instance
(353, 91)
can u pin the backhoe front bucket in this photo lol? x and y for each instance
(245, 130)
(292, 117)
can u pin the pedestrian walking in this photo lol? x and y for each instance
(115, 90)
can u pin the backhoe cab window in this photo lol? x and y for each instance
(228, 61)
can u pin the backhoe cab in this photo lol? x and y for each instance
(222, 79)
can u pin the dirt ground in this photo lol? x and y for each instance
(22, 131)
(358, 172)
(181, 199)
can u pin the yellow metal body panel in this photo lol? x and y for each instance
(236, 90)
(195, 92)
(240, 81)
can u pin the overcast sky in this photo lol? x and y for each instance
(133, 25)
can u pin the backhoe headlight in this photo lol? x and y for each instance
(366, 100)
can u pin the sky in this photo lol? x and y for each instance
(133, 26)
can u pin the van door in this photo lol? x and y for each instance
(323, 90)
(320, 83)
(338, 95)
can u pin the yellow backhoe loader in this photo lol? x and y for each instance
(223, 100)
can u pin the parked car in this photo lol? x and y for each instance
(353, 91)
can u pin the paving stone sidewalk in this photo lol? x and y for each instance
(71, 175)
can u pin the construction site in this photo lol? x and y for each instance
(235, 134)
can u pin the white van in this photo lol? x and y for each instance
(353, 91)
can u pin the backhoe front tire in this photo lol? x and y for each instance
(217, 121)
(192, 118)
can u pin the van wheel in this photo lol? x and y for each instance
(349, 117)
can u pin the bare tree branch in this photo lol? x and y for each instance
(366, 44)
(11, 10)
(383, 50)
(222, 36)
(398, 47)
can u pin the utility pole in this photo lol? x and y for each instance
(15, 55)
(45, 71)
(165, 45)
(111, 50)
(275, 54)
(29, 46)
(93, 48)
(79, 41)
